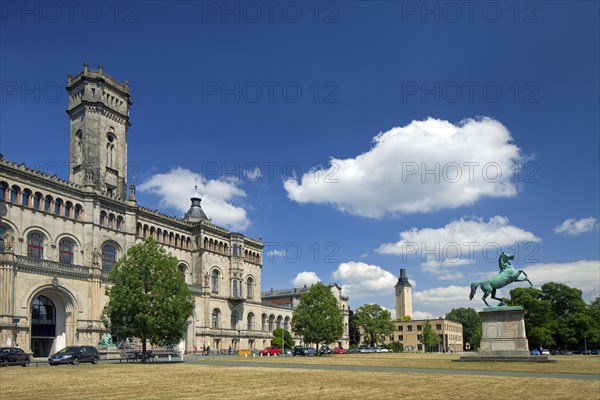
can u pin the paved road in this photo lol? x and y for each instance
(232, 363)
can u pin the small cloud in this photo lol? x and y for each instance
(421, 315)
(576, 226)
(360, 280)
(305, 278)
(174, 189)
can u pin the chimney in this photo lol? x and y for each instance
(402, 273)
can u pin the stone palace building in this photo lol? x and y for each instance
(59, 239)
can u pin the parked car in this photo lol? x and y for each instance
(270, 351)
(535, 352)
(339, 350)
(544, 352)
(566, 352)
(13, 356)
(554, 352)
(381, 350)
(324, 350)
(75, 355)
(353, 350)
(310, 351)
(595, 352)
(298, 351)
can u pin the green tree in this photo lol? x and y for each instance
(318, 318)
(471, 322)
(149, 299)
(353, 330)
(374, 321)
(288, 340)
(429, 337)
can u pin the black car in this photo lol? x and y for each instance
(324, 350)
(13, 356)
(298, 351)
(74, 355)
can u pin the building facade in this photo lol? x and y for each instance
(290, 298)
(59, 240)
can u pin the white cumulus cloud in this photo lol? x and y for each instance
(458, 243)
(176, 187)
(305, 278)
(360, 280)
(582, 274)
(422, 167)
(576, 226)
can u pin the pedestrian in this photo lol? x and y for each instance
(207, 350)
(229, 350)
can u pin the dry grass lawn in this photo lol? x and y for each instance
(575, 364)
(198, 381)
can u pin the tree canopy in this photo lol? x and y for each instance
(557, 316)
(288, 340)
(318, 318)
(148, 298)
(374, 321)
(471, 322)
(429, 338)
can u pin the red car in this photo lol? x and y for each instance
(270, 351)
(339, 350)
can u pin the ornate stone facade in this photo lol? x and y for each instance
(59, 239)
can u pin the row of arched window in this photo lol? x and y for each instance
(109, 220)
(221, 247)
(163, 236)
(36, 200)
(268, 323)
(67, 247)
(236, 285)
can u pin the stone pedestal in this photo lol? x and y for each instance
(503, 332)
(503, 337)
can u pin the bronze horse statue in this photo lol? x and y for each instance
(507, 274)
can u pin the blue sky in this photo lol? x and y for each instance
(356, 138)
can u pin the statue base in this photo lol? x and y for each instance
(503, 337)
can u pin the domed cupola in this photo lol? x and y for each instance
(195, 213)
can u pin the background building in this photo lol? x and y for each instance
(59, 240)
(290, 298)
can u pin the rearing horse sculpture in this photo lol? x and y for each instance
(507, 274)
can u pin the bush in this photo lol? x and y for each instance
(397, 347)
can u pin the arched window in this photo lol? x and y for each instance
(35, 246)
(68, 208)
(110, 151)
(234, 319)
(26, 195)
(251, 321)
(14, 194)
(249, 288)
(235, 249)
(47, 203)
(215, 281)
(271, 323)
(37, 200)
(3, 190)
(66, 250)
(264, 322)
(279, 320)
(111, 220)
(102, 218)
(109, 257)
(286, 323)
(216, 318)
(58, 204)
(77, 212)
(234, 288)
(119, 224)
(182, 269)
(79, 150)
